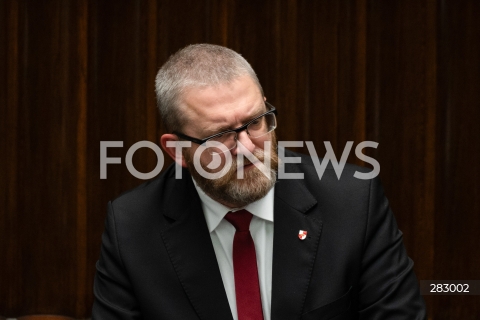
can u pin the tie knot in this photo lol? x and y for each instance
(239, 219)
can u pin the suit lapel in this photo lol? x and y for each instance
(191, 252)
(293, 258)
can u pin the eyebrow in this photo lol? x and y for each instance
(222, 129)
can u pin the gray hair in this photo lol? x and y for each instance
(197, 65)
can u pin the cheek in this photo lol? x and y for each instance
(218, 162)
(205, 158)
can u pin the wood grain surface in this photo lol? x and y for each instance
(404, 73)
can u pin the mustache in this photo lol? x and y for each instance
(239, 161)
(247, 162)
(258, 153)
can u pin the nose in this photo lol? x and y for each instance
(244, 139)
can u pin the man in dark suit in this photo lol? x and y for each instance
(251, 247)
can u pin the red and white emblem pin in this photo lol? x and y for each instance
(302, 234)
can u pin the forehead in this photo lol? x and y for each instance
(225, 106)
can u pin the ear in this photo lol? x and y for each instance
(171, 150)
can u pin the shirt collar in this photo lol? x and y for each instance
(214, 211)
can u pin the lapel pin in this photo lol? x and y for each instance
(302, 234)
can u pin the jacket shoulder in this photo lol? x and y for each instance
(147, 194)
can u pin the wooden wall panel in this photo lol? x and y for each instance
(45, 236)
(403, 50)
(401, 57)
(74, 73)
(121, 106)
(9, 15)
(457, 201)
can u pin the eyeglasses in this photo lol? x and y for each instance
(256, 128)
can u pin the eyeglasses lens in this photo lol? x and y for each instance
(262, 126)
(256, 129)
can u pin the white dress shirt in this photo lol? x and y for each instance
(222, 233)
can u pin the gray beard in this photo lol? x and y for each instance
(234, 192)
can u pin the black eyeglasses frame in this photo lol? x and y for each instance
(237, 130)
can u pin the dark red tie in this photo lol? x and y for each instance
(247, 289)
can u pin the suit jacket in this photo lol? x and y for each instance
(157, 260)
